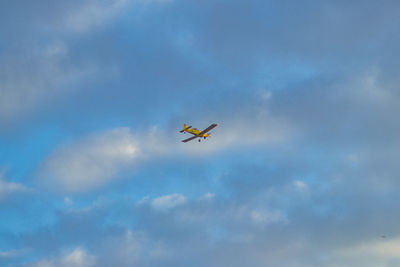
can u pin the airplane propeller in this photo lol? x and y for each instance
(209, 135)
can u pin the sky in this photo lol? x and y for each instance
(301, 171)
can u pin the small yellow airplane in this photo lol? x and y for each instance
(197, 133)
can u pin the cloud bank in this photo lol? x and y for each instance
(90, 162)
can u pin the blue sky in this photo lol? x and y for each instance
(301, 171)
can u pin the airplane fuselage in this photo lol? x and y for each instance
(196, 132)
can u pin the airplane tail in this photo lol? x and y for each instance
(185, 127)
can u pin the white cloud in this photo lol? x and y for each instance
(262, 129)
(208, 196)
(378, 252)
(68, 201)
(92, 14)
(167, 202)
(91, 161)
(128, 249)
(255, 215)
(263, 216)
(10, 188)
(8, 254)
(300, 185)
(265, 95)
(76, 258)
(233, 131)
(164, 203)
(96, 160)
(7, 188)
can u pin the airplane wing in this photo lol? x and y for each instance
(212, 126)
(189, 139)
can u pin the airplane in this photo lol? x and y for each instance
(197, 133)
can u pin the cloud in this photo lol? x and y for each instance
(97, 159)
(300, 185)
(68, 201)
(264, 225)
(127, 249)
(313, 181)
(9, 254)
(208, 196)
(167, 202)
(90, 162)
(76, 258)
(253, 125)
(265, 216)
(163, 203)
(9, 188)
(146, 234)
(377, 252)
(44, 62)
(46, 76)
(90, 14)
(85, 16)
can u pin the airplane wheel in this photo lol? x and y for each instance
(199, 140)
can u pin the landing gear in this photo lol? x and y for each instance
(199, 140)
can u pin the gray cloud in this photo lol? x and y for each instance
(90, 162)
